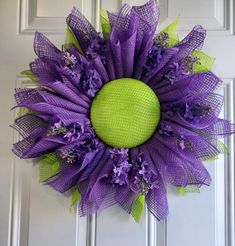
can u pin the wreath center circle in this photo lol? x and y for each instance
(125, 113)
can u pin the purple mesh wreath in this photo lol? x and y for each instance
(57, 126)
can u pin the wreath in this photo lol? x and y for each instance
(118, 115)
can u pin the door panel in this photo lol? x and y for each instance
(34, 215)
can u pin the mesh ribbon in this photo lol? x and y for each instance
(75, 196)
(204, 62)
(138, 207)
(23, 111)
(171, 31)
(183, 190)
(48, 167)
(72, 40)
(29, 74)
(105, 24)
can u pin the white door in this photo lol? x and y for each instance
(35, 215)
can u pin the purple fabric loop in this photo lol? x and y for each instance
(128, 53)
(81, 27)
(141, 56)
(193, 41)
(177, 170)
(191, 85)
(66, 179)
(220, 129)
(34, 146)
(46, 50)
(123, 41)
(44, 102)
(196, 112)
(92, 165)
(95, 190)
(71, 83)
(28, 123)
(64, 91)
(81, 78)
(189, 144)
(125, 198)
(98, 65)
(156, 199)
(204, 145)
(45, 72)
(110, 61)
(148, 18)
(153, 76)
(63, 103)
(117, 54)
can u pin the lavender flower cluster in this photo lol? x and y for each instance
(189, 111)
(96, 49)
(137, 174)
(181, 68)
(166, 130)
(80, 140)
(121, 167)
(87, 78)
(144, 178)
(154, 58)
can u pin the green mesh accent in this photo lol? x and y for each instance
(72, 40)
(204, 62)
(125, 113)
(191, 188)
(23, 111)
(75, 197)
(222, 147)
(48, 167)
(29, 75)
(138, 207)
(105, 24)
(213, 158)
(171, 31)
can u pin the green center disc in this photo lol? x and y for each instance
(125, 113)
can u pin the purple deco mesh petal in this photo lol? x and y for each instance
(28, 123)
(81, 27)
(45, 50)
(156, 199)
(45, 72)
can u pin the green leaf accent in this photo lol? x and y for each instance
(138, 207)
(204, 62)
(72, 40)
(48, 167)
(191, 188)
(171, 31)
(75, 196)
(30, 75)
(105, 23)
